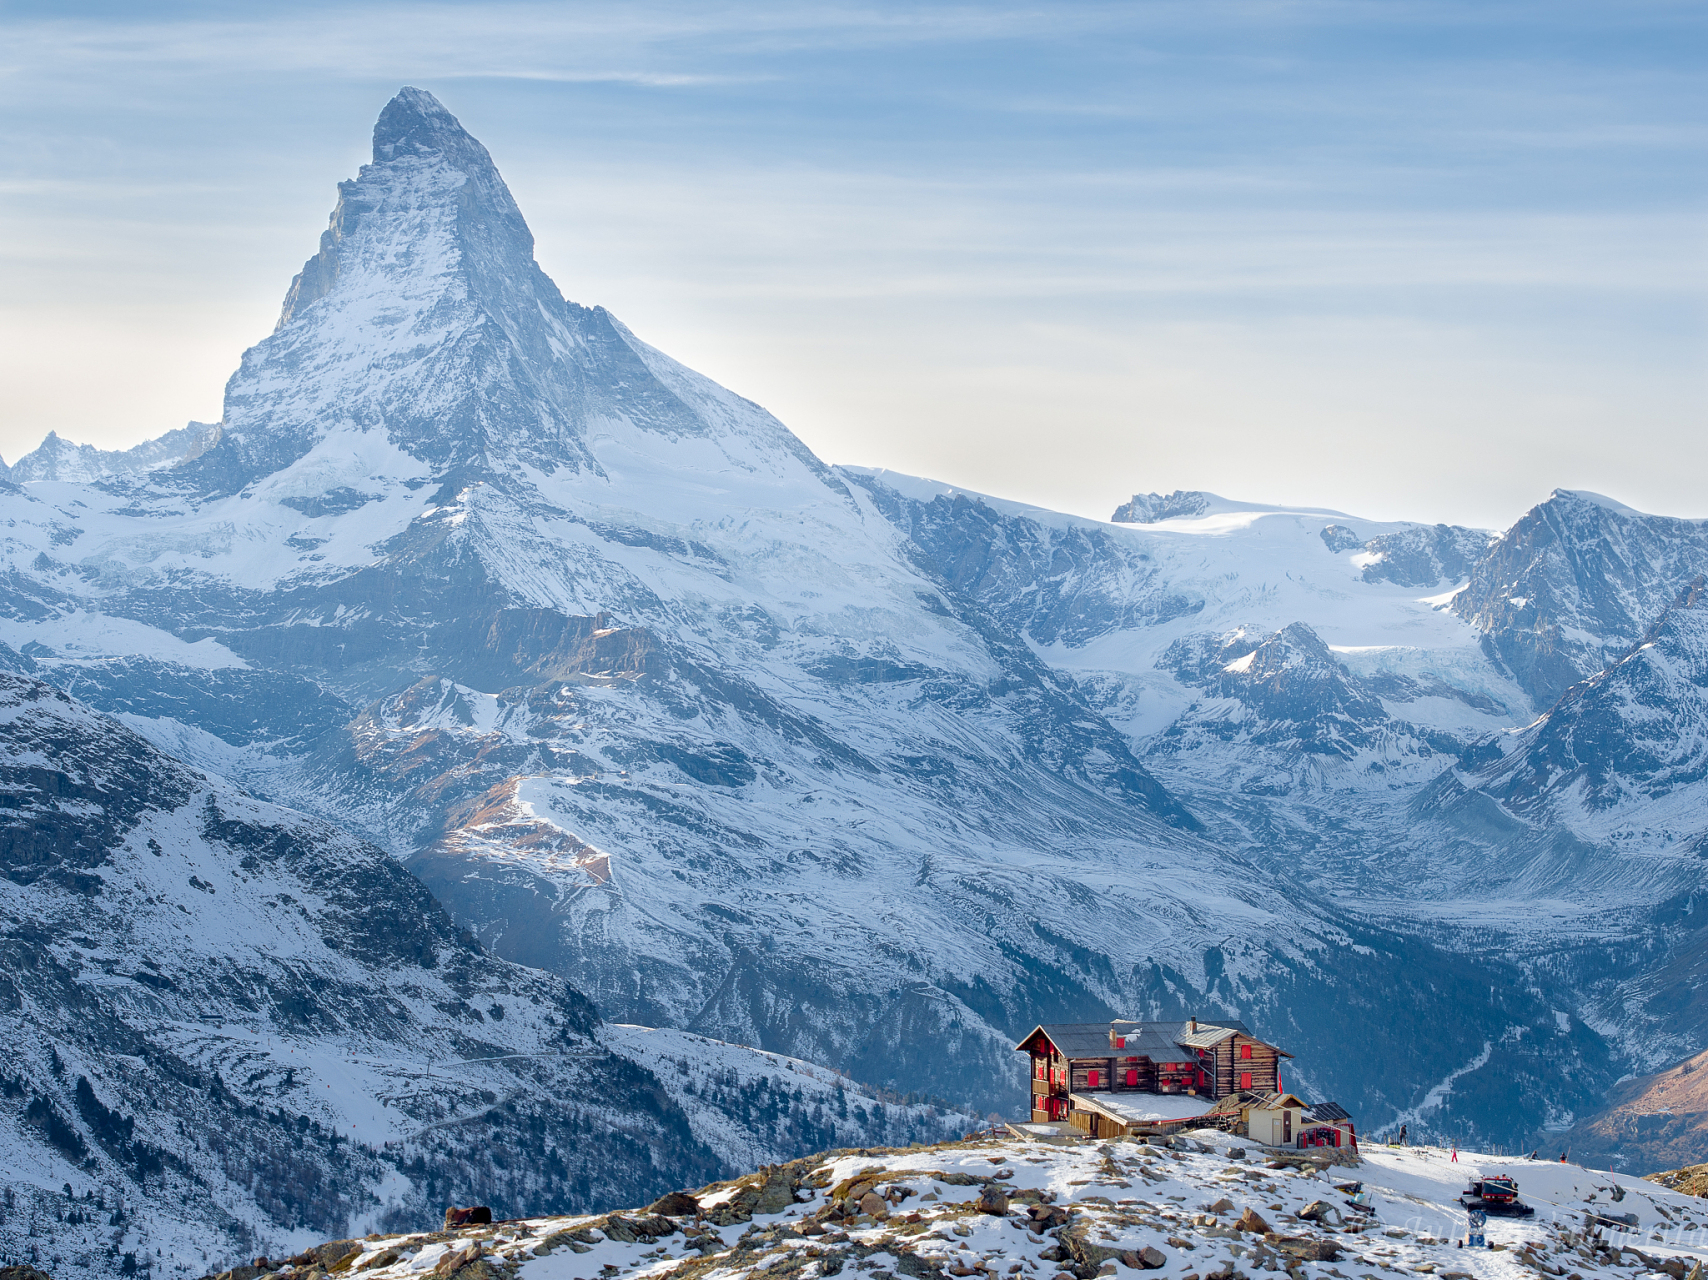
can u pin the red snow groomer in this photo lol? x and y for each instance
(1497, 1197)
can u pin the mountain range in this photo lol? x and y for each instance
(845, 765)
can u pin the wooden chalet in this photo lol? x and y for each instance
(1129, 1076)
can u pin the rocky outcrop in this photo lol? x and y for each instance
(1148, 508)
(1574, 584)
(1423, 556)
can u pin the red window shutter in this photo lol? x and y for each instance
(1245, 1051)
(1090, 1079)
(1245, 1079)
(1132, 1078)
(1120, 1042)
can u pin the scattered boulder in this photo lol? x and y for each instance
(456, 1259)
(776, 1195)
(617, 1228)
(475, 1216)
(1321, 1212)
(1146, 1259)
(480, 1269)
(994, 1200)
(1304, 1249)
(738, 1208)
(1075, 1239)
(23, 1273)
(1251, 1220)
(338, 1255)
(384, 1258)
(1045, 1216)
(678, 1204)
(874, 1204)
(1224, 1205)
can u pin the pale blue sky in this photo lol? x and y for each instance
(1407, 259)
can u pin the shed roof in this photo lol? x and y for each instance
(1273, 1101)
(1143, 1108)
(1158, 1041)
(1327, 1112)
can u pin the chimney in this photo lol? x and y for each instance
(1192, 1025)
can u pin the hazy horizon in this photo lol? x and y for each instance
(1420, 262)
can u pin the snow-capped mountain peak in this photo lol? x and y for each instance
(425, 164)
(424, 318)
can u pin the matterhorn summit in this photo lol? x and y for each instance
(424, 317)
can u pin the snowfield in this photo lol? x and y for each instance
(1207, 1205)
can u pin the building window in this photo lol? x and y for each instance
(1132, 1077)
(1245, 1052)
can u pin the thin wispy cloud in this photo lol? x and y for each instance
(906, 227)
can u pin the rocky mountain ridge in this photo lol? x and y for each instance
(857, 767)
(237, 1028)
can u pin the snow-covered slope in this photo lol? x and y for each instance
(251, 1030)
(851, 766)
(1574, 584)
(1209, 1206)
(754, 1108)
(1623, 756)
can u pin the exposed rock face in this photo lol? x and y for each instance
(60, 460)
(1633, 733)
(1655, 1121)
(1425, 556)
(255, 1025)
(1148, 508)
(1574, 584)
(425, 318)
(1301, 719)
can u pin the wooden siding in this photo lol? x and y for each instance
(1079, 1079)
(1222, 1067)
(1230, 1065)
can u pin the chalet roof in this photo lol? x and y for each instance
(1209, 1036)
(1327, 1112)
(1158, 1041)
